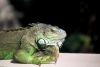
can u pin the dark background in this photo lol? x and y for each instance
(78, 18)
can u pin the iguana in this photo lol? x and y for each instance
(37, 44)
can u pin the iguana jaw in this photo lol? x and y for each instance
(57, 45)
(43, 41)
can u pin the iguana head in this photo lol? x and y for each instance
(41, 35)
(50, 36)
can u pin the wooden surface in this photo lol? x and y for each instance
(65, 60)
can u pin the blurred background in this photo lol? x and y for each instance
(78, 18)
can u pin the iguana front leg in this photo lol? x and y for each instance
(46, 56)
(50, 54)
(24, 54)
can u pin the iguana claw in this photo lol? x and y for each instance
(39, 64)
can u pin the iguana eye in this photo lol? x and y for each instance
(42, 41)
(53, 29)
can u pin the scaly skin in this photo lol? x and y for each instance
(34, 45)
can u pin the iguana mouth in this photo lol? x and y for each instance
(57, 45)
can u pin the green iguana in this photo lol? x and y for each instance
(37, 44)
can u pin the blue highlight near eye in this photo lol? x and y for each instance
(42, 41)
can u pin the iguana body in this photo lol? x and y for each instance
(34, 45)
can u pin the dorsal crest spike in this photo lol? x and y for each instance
(12, 29)
(20, 28)
(33, 24)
